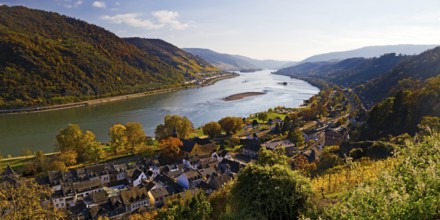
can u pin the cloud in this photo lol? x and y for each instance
(132, 19)
(72, 4)
(163, 19)
(99, 4)
(170, 18)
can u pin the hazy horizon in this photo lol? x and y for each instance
(281, 30)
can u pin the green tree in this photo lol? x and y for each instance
(270, 192)
(269, 158)
(262, 116)
(429, 125)
(231, 125)
(69, 138)
(212, 129)
(182, 125)
(295, 136)
(198, 207)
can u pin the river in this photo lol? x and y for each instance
(37, 130)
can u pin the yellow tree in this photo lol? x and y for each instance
(170, 147)
(135, 136)
(118, 138)
(68, 157)
(22, 200)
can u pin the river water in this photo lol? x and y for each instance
(37, 131)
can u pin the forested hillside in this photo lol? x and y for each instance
(171, 54)
(420, 67)
(403, 111)
(350, 72)
(47, 58)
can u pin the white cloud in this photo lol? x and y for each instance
(164, 19)
(132, 19)
(170, 18)
(99, 4)
(70, 4)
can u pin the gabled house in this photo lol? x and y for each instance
(136, 198)
(334, 136)
(198, 147)
(159, 194)
(251, 147)
(83, 189)
(137, 177)
(228, 166)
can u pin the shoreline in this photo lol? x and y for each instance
(109, 99)
(242, 95)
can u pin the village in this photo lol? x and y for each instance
(116, 188)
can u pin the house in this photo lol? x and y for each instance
(335, 136)
(99, 171)
(137, 177)
(96, 198)
(228, 166)
(251, 147)
(189, 179)
(136, 198)
(83, 189)
(159, 195)
(219, 155)
(9, 175)
(198, 147)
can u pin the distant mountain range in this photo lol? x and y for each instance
(370, 51)
(229, 62)
(372, 78)
(47, 58)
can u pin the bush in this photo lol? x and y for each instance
(409, 190)
(356, 153)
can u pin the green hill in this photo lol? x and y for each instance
(47, 58)
(171, 54)
(349, 72)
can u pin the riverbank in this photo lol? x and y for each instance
(242, 95)
(208, 82)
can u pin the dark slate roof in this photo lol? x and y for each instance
(163, 179)
(9, 171)
(203, 141)
(250, 144)
(188, 145)
(207, 172)
(234, 166)
(136, 174)
(80, 209)
(117, 183)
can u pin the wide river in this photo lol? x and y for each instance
(37, 131)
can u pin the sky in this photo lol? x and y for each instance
(262, 29)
